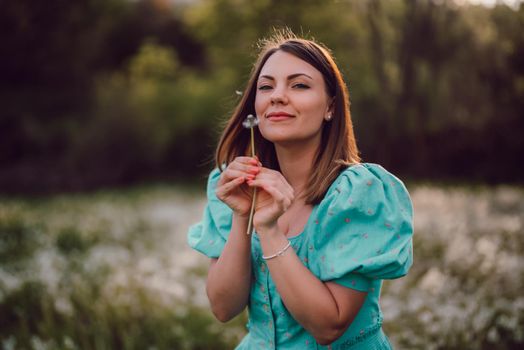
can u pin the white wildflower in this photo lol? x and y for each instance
(38, 344)
(69, 344)
(8, 281)
(433, 281)
(488, 251)
(9, 343)
(63, 305)
(493, 335)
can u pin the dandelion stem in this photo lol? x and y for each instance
(252, 211)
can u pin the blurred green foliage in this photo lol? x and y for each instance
(17, 242)
(30, 313)
(70, 241)
(98, 271)
(98, 93)
(111, 270)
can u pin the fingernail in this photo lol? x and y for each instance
(253, 161)
(250, 177)
(254, 170)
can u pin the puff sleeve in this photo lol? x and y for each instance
(364, 230)
(210, 234)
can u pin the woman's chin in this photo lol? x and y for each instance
(286, 141)
(288, 137)
(278, 137)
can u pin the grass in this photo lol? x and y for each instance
(105, 271)
(111, 270)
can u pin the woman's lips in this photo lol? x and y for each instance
(279, 117)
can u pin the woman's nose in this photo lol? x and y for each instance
(278, 96)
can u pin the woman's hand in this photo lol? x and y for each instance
(274, 197)
(231, 188)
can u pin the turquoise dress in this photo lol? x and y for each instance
(358, 235)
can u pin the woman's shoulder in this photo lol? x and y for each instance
(214, 174)
(364, 225)
(364, 185)
(364, 174)
(366, 171)
(212, 180)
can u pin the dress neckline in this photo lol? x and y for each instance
(316, 206)
(306, 226)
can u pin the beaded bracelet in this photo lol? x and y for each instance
(279, 253)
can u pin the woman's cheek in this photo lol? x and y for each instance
(262, 128)
(260, 103)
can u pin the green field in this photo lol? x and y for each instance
(111, 270)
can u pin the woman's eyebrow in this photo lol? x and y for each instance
(289, 77)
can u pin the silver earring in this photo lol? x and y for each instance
(328, 118)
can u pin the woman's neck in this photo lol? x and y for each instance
(296, 162)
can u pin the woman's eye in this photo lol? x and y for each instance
(301, 86)
(264, 87)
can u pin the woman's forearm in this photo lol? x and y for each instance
(307, 298)
(229, 277)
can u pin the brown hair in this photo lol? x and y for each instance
(338, 148)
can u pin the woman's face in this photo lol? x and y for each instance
(291, 100)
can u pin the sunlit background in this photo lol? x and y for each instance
(110, 112)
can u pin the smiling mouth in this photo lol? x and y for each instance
(279, 117)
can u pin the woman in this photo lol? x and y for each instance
(327, 228)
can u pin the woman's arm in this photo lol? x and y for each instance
(324, 309)
(229, 277)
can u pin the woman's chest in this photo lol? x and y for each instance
(294, 220)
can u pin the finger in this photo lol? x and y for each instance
(278, 184)
(290, 188)
(278, 179)
(231, 174)
(286, 203)
(251, 168)
(282, 199)
(248, 160)
(248, 169)
(234, 171)
(247, 165)
(225, 189)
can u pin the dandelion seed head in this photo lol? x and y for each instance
(250, 122)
